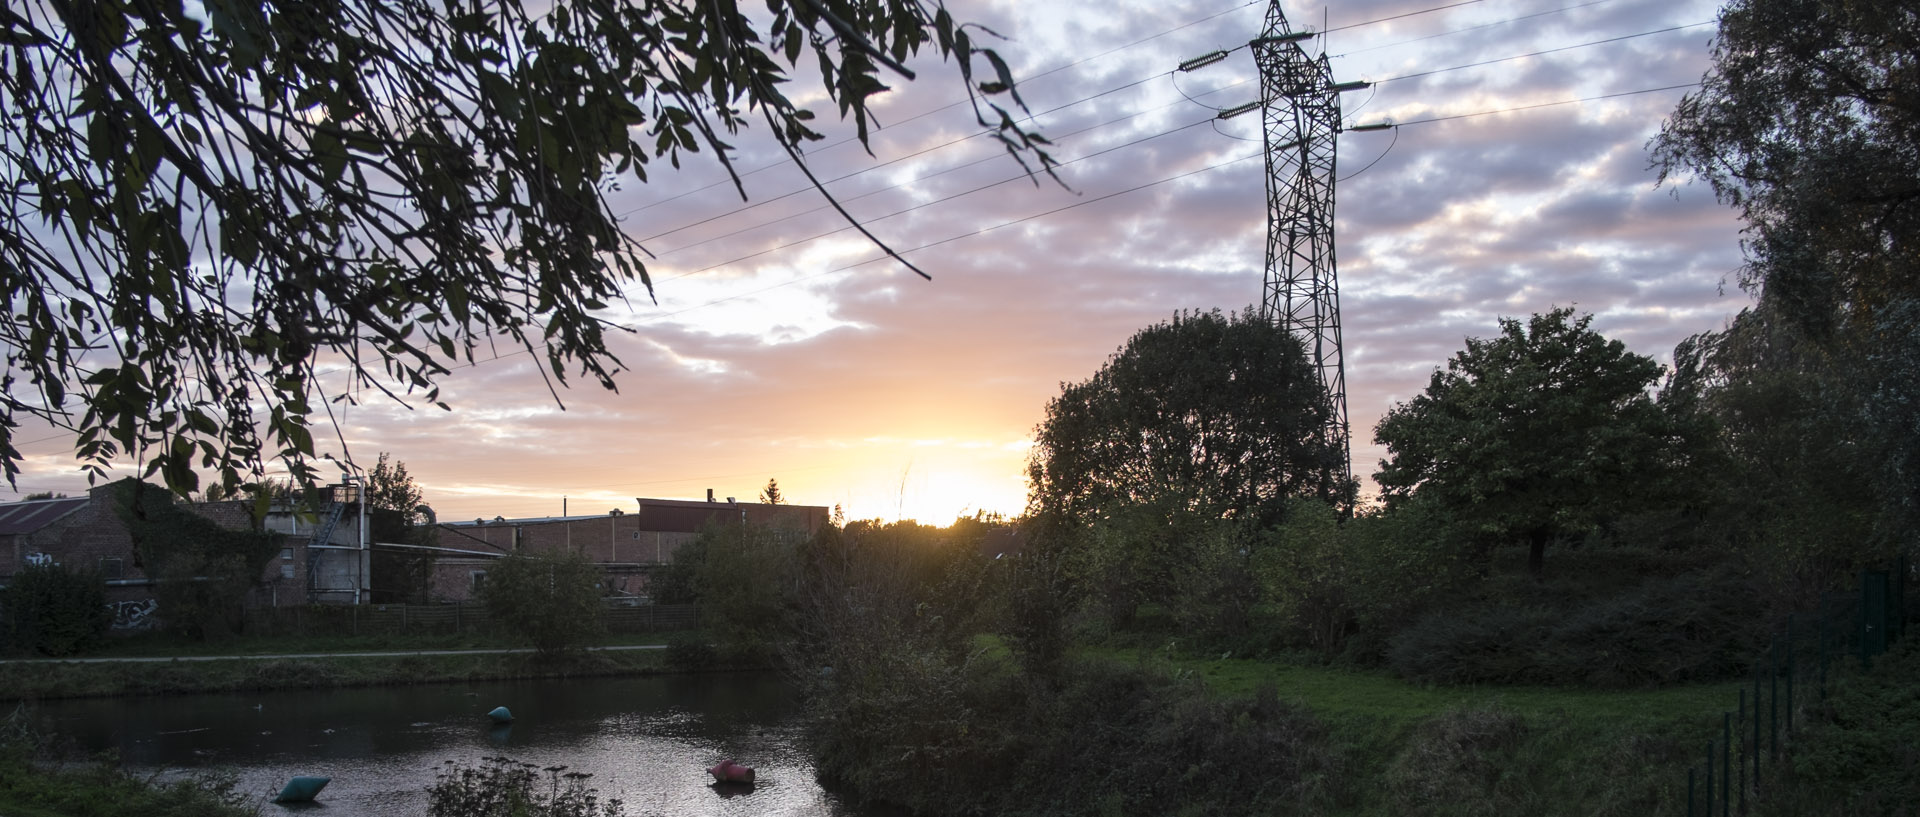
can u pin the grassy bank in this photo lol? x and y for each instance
(1347, 692)
(41, 680)
(37, 790)
(166, 645)
(32, 784)
(1125, 732)
(1461, 750)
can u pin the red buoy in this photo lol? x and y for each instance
(731, 772)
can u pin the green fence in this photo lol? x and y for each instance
(1790, 675)
(374, 619)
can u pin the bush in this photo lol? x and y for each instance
(55, 611)
(1693, 627)
(1328, 581)
(1861, 752)
(36, 781)
(691, 653)
(503, 787)
(551, 600)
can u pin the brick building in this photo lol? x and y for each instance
(87, 533)
(628, 546)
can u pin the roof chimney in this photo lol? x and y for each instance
(709, 494)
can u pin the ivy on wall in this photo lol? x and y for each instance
(201, 571)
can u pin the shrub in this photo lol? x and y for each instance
(1692, 627)
(35, 781)
(503, 787)
(551, 600)
(55, 611)
(1861, 753)
(691, 653)
(1329, 580)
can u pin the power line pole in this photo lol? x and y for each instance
(1300, 107)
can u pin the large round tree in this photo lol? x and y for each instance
(1209, 414)
(1532, 435)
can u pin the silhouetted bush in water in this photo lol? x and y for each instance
(503, 787)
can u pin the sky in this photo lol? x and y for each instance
(775, 346)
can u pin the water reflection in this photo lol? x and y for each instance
(647, 741)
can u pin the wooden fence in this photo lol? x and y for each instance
(371, 619)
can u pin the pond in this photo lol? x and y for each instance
(646, 741)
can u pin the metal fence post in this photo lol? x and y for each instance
(1709, 812)
(1690, 772)
(1726, 761)
(1792, 665)
(1823, 646)
(1873, 616)
(1756, 727)
(1773, 699)
(1743, 759)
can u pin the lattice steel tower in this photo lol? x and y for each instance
(1301, 111)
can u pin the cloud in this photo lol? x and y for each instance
(864, 385)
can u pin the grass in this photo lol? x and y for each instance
(30, 788)
(1336, 692)
(1412, 749)
(166, 645)
(76, 680)
(66, 679)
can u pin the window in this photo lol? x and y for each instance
(112, 567)
(479, 578)
(286, 571)
(286, 553)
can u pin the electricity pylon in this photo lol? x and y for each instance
(1300, 106)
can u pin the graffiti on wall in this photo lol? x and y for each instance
(40, 559)
(134, 615)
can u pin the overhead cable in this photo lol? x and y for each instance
(1539, 53)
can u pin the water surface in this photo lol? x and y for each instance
(646, 741)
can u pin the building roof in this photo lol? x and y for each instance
(26, 517)
(680, 515)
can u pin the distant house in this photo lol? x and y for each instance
(628, 546)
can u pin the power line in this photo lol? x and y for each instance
(941, 200)
(917, 180)
(1402, 16)
(957, 103)
(932, 244)
(1547, 104)
(1471, 28)
(1539, 53)
(897, 160)
(1032, 117)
